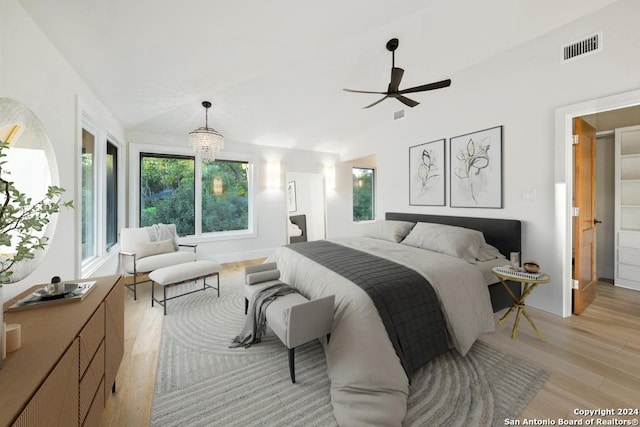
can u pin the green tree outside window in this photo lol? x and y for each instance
(363, 194)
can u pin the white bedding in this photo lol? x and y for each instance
(368, 384)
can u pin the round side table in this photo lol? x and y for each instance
(528, 285)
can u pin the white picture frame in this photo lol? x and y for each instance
(476, 169)
(427, 174)
(292, 202)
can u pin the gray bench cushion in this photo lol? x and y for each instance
(181, 272)
(155, 262)
(278, 315)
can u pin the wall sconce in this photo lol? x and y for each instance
(273, 174)
(330, 177)
(217, 186)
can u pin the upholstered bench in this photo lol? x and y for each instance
(182, 273)
(294, 319)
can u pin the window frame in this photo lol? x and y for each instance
(117, 181)
(102, 253)
(136, 149)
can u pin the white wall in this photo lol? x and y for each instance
(519, 89)
(33, 72)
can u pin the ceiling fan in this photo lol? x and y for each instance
(393, 90)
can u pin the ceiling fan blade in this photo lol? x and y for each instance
(375, 103)
(406, 101)
(396, 77)
(430, 86)
(363, 91)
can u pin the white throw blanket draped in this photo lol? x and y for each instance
(159, 232)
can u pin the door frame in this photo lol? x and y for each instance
(563, 178)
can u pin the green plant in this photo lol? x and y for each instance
(22, 220)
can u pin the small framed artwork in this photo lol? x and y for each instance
(427, 174)
(291, 196)
(476, 169)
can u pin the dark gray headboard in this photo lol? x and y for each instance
(504, 234)
(300, 221)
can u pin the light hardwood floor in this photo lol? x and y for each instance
(593, 359)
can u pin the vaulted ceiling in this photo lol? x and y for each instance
(275, 70)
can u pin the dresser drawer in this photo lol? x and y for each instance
(94, 414)
(629, 272)
(91, 337)
(629, 239)
(89, 383)
(629, 256)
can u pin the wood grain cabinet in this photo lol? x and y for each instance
(66, 368)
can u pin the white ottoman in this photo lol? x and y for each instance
(182, 273)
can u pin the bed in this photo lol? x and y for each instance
(369, 375)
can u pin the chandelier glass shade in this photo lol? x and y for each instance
(206, 142)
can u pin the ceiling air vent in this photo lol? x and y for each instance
(398, 114)
(584, 46)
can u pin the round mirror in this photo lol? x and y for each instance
(25, 164)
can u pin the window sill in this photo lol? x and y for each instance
(218, 237)
(92, 266)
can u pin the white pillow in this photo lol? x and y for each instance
(393, 231)
(262, 276)
(145, 249)
(463, 243)
(488, 252)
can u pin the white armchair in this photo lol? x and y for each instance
(145, 249)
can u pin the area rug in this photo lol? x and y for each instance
(202, 382)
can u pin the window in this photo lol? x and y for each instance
(199, 198)
(225, 196)
(167, 191)
(100, 198)
(363, 194)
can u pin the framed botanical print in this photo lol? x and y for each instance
(427, 174)
(476, 169)
(291, 196)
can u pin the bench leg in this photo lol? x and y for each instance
(292, 368)
(164, 300)
(153, 287)
(246, 306)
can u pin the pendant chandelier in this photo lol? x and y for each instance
(205, 141)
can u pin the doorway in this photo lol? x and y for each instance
(305, 206)
(564, 170)
(605, 124)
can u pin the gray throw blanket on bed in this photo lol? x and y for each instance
(256, 323)
(406, 301)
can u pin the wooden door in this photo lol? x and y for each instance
(584, 243)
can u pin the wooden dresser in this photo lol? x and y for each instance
(64, 372)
